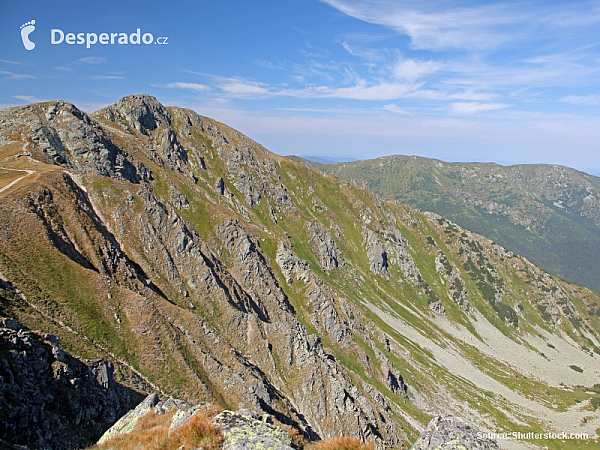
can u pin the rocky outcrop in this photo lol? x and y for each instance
(127, 423)
(51, 399)
(451, 433)
(242, 430)
(378, 260)
(246, 430)
(455, 284)
(323, 245)
(62, 134)
(142, 113)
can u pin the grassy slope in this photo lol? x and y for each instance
(564, 242)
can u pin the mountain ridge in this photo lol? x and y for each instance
(547, 213)
(225, 273)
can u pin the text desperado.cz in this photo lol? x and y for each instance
(58, 37)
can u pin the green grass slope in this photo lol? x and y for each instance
(549, 214)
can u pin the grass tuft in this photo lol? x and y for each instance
(152, 433)
(341, 443)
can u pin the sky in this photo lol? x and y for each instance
(509, 81)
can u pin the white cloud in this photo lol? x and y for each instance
(412, 70)
(269, 64)
(28, 98)
(363, 91)
(242, 88)
(467, 109)
(593, 100)
(367, 54)
(16, 76)
(107, 77)
(11, 62)
(451, 25)
(395, 109)
(92, 60)
(197, 87)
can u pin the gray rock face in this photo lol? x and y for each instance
(451, 433)
(152, 403)
(323, 245)
(51, 400)
(63, 135)
(127, 423)
(220, 186)
(184, 414)
(456, 287)
(178, 199)
(376, 253)
(141, 112)
(253, 176)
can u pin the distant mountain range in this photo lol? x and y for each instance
(206, 268)
(327, 159)
(550, 214)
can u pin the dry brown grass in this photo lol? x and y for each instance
(197, 432)
(298, 440)
(152, 433)
(341, 443)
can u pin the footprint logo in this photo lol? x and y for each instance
(26, 30)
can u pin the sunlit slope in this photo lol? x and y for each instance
(547, 213)
(220, 271)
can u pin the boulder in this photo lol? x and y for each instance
(451, 433)
(246, 430)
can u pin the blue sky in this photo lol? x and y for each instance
(511, 82)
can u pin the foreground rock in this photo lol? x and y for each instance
(245, 429)
(50, 399)
(242, 430)
(451, 433)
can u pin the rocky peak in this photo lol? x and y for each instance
(141, 112)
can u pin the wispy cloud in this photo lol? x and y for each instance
(412, 70)
(92, 60)
(243, 88)
(269, 64)
(107, 77)
(467, 109)
(197, 87)
(361, 90)
(435, 25)
(63, 68)
(395, 109)
(11, 62)
(592, 100)
(27, 98)
(16, 76)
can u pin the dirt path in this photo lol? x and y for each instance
(12, 183)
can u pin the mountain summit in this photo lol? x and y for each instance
(208, 268)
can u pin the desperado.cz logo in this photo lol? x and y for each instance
(58, 36)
